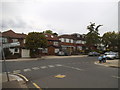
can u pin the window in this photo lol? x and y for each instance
(56, 43)
(67, 40)
(56, 50)
(4, 40)
(24, 41)
(83, 42)
(61, 39)
(45, 50)
(79, 48)
(52, 36)
(71, 40)
(46, 35)
(78, 35)
(15, 40)
(78, 41)
(16, 50)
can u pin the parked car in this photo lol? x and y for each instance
(93, 54)
(111, 55)
(61, 53)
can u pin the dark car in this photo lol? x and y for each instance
(63, 53)
(93, 54)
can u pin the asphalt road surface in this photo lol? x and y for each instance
(75, 73)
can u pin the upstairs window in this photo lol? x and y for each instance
(15, 40)
(56, 43)
(67, 40)
(4, 40)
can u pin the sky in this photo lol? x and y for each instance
(61, 16)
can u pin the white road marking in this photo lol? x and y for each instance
(51, 66)
(115, 77)
(43, 67)
(26, 70)
(16, 71)
(18, 78)
(74, 68)
(35, 68)
(58, 65)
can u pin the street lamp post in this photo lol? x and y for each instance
(3, 54)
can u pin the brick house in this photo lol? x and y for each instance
(72, 43)
(67, 43)
(80, 42)
(53, 44)
(10, 37)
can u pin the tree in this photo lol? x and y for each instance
(92, 37)
(35, 40)
(48, 31)
(110, 40)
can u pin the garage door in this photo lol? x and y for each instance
(25, 53)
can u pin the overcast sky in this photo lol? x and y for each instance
(61, 16)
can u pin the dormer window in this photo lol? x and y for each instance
(52, 36)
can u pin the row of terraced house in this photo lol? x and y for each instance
(71, 43)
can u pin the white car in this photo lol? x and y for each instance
(111, 55)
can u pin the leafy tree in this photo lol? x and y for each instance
(35, 40)
(92, 37)
(48, 31)
(110, 40)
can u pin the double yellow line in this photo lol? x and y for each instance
(31, 81)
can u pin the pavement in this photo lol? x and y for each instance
(45, 57)
(15, 81)
(109, 63)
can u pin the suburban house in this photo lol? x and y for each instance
(80, 42)
(15, 42)
(53, 45)
(72, 43)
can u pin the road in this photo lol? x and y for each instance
(78, 73)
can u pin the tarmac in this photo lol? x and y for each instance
(18, 82)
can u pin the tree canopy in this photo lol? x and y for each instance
(92, 37)
(35, 40)
(110, 40)
(50, 32)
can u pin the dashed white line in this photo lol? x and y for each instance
(51, 66)
(74, 68)
(35, 68)
(58, 65)
(26, 70)
(43, 67)
(16, 71)
(115, 77)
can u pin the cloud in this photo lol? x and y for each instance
(14, 23)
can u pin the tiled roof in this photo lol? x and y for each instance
(51, 37)
(12, 34)
(66, 36)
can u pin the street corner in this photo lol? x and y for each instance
(109, 63)
(13, 81)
